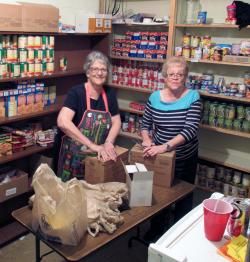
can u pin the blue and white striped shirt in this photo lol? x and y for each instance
(168, 119)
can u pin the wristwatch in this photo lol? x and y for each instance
(168, 147)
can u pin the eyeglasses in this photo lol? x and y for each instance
(96, 70)
(175, 75)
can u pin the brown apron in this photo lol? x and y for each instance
(95, 125)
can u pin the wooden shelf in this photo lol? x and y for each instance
(226, 131)
(228, 98)
(217, 62)
(27, 152)
(224, 159)
(58, 74)
(136, 89)
(46, 111)
(138, 59)
(10, 232)
(222, 26)
(130, 135)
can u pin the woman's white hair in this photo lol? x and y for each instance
(174, 60)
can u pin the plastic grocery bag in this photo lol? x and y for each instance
(59, 209)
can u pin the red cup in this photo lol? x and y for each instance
(216, 215)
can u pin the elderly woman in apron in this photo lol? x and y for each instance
(89, 119)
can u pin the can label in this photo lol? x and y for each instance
(38, 69)
(23, 54)
(16, 70)
(31, 55)
(23, 69)
(51, 41)
(30, 41)
(37, 42)
(30, 69)
(63, 64)
(22, 41)
(50, 67)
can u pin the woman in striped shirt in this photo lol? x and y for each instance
(172, 115)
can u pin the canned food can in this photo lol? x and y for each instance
(23, 55)
(1, 41)
(22, 41)
(226, 189)
(186, 40)
(44, 42)
(221, 110)
(37, 41)
(213, 109)
(3, 70)
(197, 53)
(239, 220)
(178, 51)
(237, 177)
(44, 67)
(246, 126)
(6, 41)
(242, 192)
(246, 180)
(186, 52)
(195, 41)
(23, 69)
(228, 123)
(16, 70)
(38, 55)
(31, 55)
(212, 121)
(240, 110)
(30, 41)
(206, 53)
(63, 64)
(14, 41)
(38, 69)
(30, 69)
(220, 122)
(50, 67)
(51, 41)
(230, 112)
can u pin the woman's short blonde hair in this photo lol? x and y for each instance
(174, 60)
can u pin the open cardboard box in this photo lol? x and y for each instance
(97, 171)
(163, 165)
(16, 186)
(140, 185)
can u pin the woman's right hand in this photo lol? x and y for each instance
(101, 152)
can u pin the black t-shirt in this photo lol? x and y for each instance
(76, 101)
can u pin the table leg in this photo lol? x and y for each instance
(38, 259)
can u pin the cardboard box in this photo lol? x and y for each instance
(140, 184)
(39, 17)
(88, 23)
(107, 23)
(100, 172)
(10, 17)
(16, 186)
(163, 165)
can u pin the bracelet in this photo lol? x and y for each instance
(168, 147)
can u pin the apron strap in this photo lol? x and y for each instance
(104, 97)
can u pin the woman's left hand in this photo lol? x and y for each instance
(154, 150)
(110, 150)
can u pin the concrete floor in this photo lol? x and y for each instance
(23, 249)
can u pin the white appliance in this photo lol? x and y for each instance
(186, 242)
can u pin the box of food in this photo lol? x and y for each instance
(163, 165)
(16, 185)
(89, 23)
(140, 184)
(39, 17)
(97, 171)
(10, 17)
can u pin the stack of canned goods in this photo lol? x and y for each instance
(138, 74)
(225, 115)
(225, 180)
(150, 45)
(26, 55)
(206, 82)
(131, 123)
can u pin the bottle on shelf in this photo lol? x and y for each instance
(193, 7)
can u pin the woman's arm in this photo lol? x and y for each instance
(113, 133)
(146, 126)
